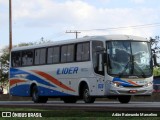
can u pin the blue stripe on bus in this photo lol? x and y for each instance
(20, 90)
(14, 72)
(24, 90)
(49, 92)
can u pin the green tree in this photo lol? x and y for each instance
(4, 60)
(155, 43)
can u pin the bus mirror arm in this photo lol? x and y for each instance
(105, 58)
(100, 62)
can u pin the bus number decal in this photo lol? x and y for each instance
(100, 86)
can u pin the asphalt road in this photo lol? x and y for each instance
(80, 105)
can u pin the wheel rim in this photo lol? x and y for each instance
(86, 95)
(35, 94)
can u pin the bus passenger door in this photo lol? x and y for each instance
(98, 66)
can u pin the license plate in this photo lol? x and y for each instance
(132, 91)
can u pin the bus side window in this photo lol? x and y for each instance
(70, 53)
(56, 54)
(79, 52)
(42, 56)
(85, 51)
(16, 59)
(67, 53)
(50, 55)
(27, 58)
(37, 55)
(30, 57)
(64, 54)
(82, 52)
(24, 58)
(53, 55)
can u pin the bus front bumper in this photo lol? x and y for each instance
(130, 90)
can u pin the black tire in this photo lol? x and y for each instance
(124, 99)
(86, 96)
(36, 98)
(43, 99)
(69, 99)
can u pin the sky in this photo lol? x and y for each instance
(50, 19)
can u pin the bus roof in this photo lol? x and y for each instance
(86, 38)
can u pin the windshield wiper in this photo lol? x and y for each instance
(125, 68)
(143, 74)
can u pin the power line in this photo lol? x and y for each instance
(75, 32)
(60, 34)
(134, 27)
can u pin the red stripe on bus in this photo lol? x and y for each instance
(15, 81)
(53, 80)
(133, 83)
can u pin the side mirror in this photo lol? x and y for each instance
(100, 49)
(155, 59)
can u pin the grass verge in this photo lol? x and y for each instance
(23, 114)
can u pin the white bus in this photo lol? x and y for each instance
(111, 66)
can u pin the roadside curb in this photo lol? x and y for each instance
(154, 98)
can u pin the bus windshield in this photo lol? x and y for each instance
(129, 58)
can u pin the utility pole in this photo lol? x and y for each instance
(10, 25)
(1, 70)
(75, 32)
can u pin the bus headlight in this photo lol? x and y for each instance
(116, 84)
(148, 84)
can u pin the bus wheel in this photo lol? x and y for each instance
(86, 96)
(124, 99)
(69, 99)
(36, 98)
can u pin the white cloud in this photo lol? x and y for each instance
(77, 14)
(138, 1)
(4, 2)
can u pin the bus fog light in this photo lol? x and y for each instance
(116, 84)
